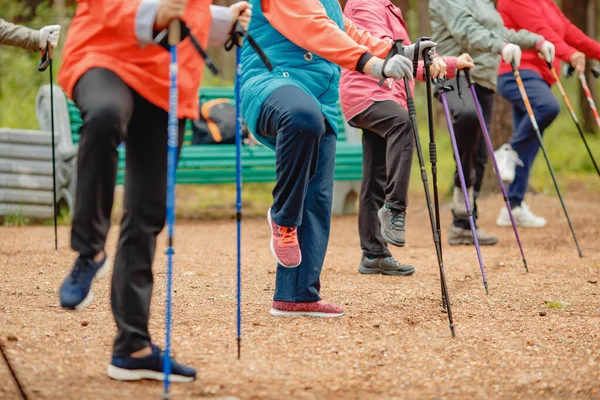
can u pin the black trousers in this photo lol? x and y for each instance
(469, 138)
(111, 113)
(388, 146)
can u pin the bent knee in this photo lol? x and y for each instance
(305, 119)
(548, 110)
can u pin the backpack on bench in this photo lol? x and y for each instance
(216, 124)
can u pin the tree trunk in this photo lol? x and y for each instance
(583, 13)
(501, 130)
(424, 26)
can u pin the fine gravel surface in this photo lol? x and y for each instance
(536, 335)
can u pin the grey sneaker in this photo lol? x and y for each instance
(392, 225)
(385, 266)
(458, 236)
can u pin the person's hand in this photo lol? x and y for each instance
(464, 61)
(167, 11)
(511, 52)
(397, 68)
(241, 12)
(578, 62)
(438, 68)
(49, 36)
(547, 51)
(409, 51)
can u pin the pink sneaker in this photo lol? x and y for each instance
(312, 309)
(284, 244)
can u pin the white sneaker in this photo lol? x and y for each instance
(523, 217)
(507, 160)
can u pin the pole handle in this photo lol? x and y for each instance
(425, 52)
(467, 72)
(174, 32)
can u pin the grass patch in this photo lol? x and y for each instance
(556, 304)
(16, 220)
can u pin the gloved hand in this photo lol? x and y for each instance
(547, 51)
(397, 68)
(49, 35)
(511, 52)
(409, 51)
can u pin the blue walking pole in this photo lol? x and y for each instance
(173, 130)
(238, 202)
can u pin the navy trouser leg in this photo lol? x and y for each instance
(305, 158)
(524, 139)
(295, 120)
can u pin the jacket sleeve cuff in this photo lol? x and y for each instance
(451, 65)
(144, 21)
(362, 61)
(220, 25)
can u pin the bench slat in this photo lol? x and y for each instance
(35, 182)
(34, 211)
(26, 196)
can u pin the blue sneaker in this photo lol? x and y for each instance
(149, 367)
(76, 290)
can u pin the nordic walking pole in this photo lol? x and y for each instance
(436, 238)
(463, 185)
(432, 146)
(45, 62)
(238, 203)
(172, 143)
(12, 371)
(235, 39)
(541, 141)
(490, 147)
(573, 115)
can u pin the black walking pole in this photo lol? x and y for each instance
(43, 64)
(12, 372)
(398, 49)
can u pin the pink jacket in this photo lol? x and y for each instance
(384, 21)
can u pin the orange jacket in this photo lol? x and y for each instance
(111, 34)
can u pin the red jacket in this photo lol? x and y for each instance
(103, 35)
(383, 20)
(545, 18)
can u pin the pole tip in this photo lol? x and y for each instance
(452, 330)
(239, 348)
(485, 285)
(165, 396)
(525, 264)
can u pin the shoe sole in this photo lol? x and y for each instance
(279, 313)
(122, 374)
(468, 241)
(273, 245)
(509, 224)
(374, 271)
(101, 273)
(383, 233)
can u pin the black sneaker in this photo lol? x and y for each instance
(149, 367)
(76, 290)
(385, 266)
(392, 225)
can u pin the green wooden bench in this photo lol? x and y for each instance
(211, 164)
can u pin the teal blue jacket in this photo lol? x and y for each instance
(292, 65)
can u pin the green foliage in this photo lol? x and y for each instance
(15, 220)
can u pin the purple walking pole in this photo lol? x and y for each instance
(488, 141)
(463, 185)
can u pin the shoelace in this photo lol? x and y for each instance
(288, 235)
(82, 266)
(396, 220)
(391, 260)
